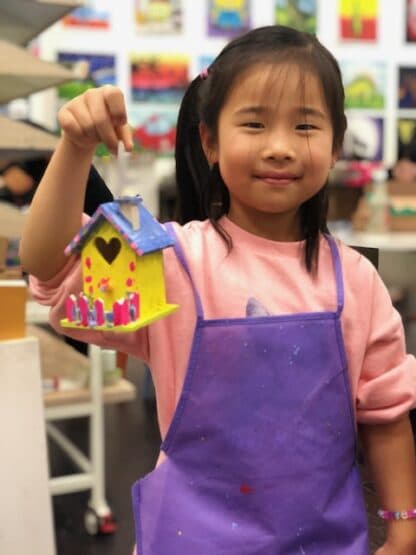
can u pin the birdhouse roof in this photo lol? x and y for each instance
(149, 237)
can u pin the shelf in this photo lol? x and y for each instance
(59, 359)
(21, 141)
(22, 74)
(21, 21)
(120, 392)
(11, 220)
(36, 313)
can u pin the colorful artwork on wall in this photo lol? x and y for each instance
(364, 84)
(406, 137)
(154, 127)
(300, 14)
(358, 20)
(407, 87)
(411, 20)
(364, 138)
(158, 77)
(158, 16)
(91, 70)
(228, 18)
(94, 14)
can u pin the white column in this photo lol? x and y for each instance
(26, 524)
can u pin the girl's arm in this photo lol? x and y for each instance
(390, 456)
(98, 115)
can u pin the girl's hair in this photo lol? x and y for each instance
(201, 191)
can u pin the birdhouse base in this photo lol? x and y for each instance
(131, 326)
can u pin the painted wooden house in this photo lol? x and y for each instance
(122, 269)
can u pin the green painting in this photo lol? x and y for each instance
(299, 14)
(364, 84)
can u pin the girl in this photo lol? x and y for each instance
(285, 341)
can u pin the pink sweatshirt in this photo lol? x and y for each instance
(382, 375)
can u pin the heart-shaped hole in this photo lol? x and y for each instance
(108, 249)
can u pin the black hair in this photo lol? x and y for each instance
(201, 191)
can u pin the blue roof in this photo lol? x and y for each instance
(149, 237)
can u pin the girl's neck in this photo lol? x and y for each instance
(275, 227)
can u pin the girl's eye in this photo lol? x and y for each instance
(254, 124)
(305, 127)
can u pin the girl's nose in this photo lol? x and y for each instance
(278, 146)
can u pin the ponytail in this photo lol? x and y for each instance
(192, 168)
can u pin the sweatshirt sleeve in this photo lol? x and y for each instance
(387, 384)
(54, 293)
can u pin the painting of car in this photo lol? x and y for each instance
(156, 134)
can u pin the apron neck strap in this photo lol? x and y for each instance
(181, 257)
(336, 261)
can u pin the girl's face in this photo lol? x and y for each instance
(274, 148)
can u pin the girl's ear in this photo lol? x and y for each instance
(335, 156)
(209, 146)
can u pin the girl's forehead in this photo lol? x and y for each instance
(273, 84)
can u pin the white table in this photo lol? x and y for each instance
(397, 254)
(394, 241)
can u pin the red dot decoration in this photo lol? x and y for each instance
(88, 279)
(129, 282)
(132, 266)
(244, 488)
(88, 262)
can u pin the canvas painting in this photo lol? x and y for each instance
(407, 87)
(364, 84)
(300, 14)
(91, 70)
(358, 20)
(411, 20)
(364, 138)
(158, 77)
(156, 16)
(228, 18)
(154, 127)
(406, 137)
(94, 14)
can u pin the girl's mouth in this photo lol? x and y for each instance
(277, 178)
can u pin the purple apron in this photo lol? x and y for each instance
(261, 452)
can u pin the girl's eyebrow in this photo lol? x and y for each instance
(309, 111)
(302, 110)
(257, 109)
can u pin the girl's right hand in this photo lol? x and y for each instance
(97, 116)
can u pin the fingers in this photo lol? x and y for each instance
(125, 135)
(98, 115)
(116, 108)
(101, 119)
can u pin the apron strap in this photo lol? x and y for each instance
(338, 272)
(181, 257)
